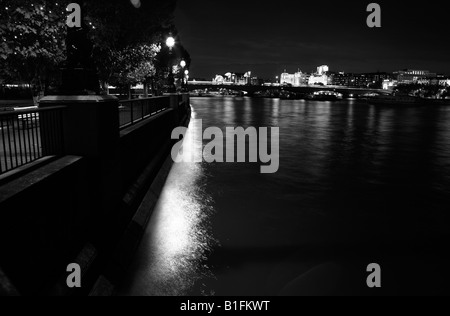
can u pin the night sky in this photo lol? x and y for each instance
(268, 36)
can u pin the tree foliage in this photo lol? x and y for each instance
(424, 90)
(133, 65)
(128, 41)
(32, 39)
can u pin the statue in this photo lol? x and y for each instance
(79, 73)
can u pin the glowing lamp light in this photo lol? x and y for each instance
(186, 72)
(183, 64)
(136, 3)
(170, 42)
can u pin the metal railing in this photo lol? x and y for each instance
(135, 111)
(28, 135)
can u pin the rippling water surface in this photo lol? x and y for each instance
(356, 183)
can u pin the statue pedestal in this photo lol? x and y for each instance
(79, 81)
(90, 129)
(90, 124)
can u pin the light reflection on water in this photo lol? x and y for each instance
(169, 260)
(350, 174)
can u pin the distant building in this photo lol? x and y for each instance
(238, 78)
(255, 81)
(219, 80)
(296, 80)
(316, 79)
(323, 70)
(389, 84)
(364, 80)
(341, 79)
(286, 78)
(234, 78)
(414, 76)
(320, 77)
(444, 82)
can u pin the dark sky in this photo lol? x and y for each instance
(268, 36)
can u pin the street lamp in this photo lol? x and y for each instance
(183, 65)
(170, 42)
(186, 72)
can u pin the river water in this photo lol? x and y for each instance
(357, 184)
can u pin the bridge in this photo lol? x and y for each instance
(252, 89)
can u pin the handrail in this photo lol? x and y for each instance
(143, 99)
(30, 111)
(137, 110)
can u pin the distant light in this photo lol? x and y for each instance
(186, 72)
(136, 3)
(183, 64)
(170, 42)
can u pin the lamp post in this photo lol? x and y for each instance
(183, 66)
(170, 42)
(186, 78)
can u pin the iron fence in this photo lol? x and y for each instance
(135, 111)
(28, 135)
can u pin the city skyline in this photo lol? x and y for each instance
(267, 38)
(331, 71)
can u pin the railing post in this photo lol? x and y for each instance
(132, 112)
(51, 131)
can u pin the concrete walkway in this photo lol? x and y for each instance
(170, 257)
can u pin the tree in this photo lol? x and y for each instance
(408, 88)
(423, 90)
(446, 93)
(32, 41)
(167, 59)
(127, 39)
(133, 65)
